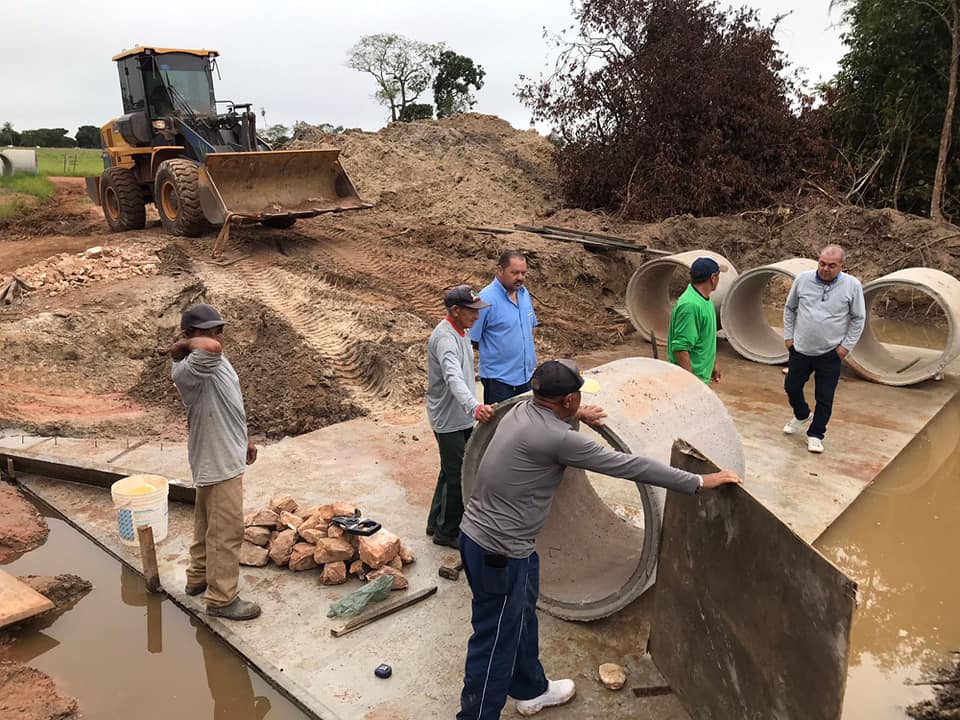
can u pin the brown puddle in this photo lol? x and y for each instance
(123, 652)
(899, 541)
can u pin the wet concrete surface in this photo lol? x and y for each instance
(899, 541)
(124, 652)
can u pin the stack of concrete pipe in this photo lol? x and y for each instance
(599, 548)
(18, 160)
(739, 302)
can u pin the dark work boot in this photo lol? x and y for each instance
(236, 610)
(449, 540)
(195, 589)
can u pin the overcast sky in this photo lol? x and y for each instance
(288, 56)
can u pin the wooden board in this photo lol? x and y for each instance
(19, 601)
(749, 621)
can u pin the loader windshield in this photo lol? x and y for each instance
(178, 84)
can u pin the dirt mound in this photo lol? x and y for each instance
(94, 264)
(70, 213)
(21, 527)
(28, 694)
(63, 590)
(468, 168)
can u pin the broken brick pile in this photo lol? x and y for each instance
(66, 270)
(302, 538)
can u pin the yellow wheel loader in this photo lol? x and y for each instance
(198, 166)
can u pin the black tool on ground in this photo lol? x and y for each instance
(383, 671)
(355, 526)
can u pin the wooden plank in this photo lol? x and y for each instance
(379, 611)
(748, 620)
(19, 601)
(148, 557)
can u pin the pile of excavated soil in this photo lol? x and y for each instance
(22, 528)
(28, 694)
(468, 168)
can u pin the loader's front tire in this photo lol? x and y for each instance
(122, 200)
(279, 223)
(176, 193)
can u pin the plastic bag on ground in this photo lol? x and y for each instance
(374, 591)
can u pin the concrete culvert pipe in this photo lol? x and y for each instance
(599, 548)
(744, 322)
(18, 160)
(648, 293)
(891, 364)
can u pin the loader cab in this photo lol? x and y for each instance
(163, 83)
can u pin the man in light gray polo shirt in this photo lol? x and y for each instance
(516, 480)
(452, 407)
(219, 450)
(822, 321)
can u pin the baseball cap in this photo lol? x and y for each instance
(464, 296)
(201, 317)
(704, 267)
(561, 377)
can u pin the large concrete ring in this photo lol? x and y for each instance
(742, 312)
(648, 292)
(900, 365)
(599, 547)
(18, 160)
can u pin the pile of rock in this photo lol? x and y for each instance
(302, 538)
(67, 270)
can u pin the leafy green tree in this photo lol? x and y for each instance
(890, 107)
(276, 135)
(416, 111)
(47, 137)
(673, 106)
(88, 136)
(401, 67)
(456, 74)
(9, 136)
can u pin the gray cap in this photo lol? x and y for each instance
(201, 317)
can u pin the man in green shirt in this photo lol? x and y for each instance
(692, 339)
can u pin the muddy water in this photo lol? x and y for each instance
(125, 653)
(899, 541)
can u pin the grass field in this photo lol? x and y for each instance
(69, 161)
(12, 190)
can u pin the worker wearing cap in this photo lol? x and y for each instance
(452, 407)
(692, 338)
(219, 451)
(515, 484)
(503, 334)
(823, 320)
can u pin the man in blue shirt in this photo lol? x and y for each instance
(503, 335)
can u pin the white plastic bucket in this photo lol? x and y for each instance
(136, 508)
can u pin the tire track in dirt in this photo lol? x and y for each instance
(366, 253)
(316, 311)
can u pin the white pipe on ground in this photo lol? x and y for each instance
(18, 160)
(599, 548)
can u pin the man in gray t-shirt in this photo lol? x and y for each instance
(516, 480)
(219, 450)
(452, 407)
(823, 319)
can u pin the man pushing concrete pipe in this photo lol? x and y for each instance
(515, 484)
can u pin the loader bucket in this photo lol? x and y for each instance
(276, 183)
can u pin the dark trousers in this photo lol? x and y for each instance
(826, 375)
(503, 655)
(495, 391)
(446, 509)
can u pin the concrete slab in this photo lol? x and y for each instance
(390, 471)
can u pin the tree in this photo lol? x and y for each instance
(890, 106)
(456, 74)
(9, 136)
(276, 135)
(88, 136)
(47, 137)
(416, 111)
(401, 67)
(673, 106)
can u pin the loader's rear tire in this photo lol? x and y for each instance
(122, 199)
(176, 194)
(280, 223)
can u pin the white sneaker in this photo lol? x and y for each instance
(795, 426)
(814, 444)
(558, 692)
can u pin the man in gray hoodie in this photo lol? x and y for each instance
(452, 407)
(823, 319)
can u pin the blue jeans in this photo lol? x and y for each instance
(503, 654)
(826, 374)
(495, 391)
